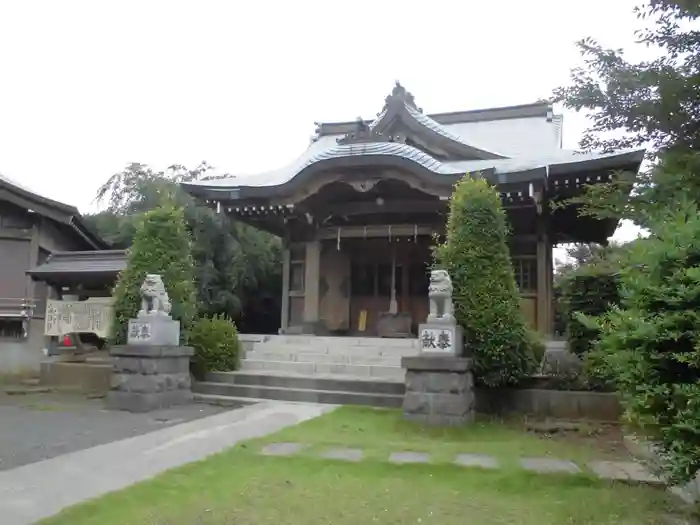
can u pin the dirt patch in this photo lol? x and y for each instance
(607, 438)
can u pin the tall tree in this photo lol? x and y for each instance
(238, 268)
(653, 103)
(648, 344)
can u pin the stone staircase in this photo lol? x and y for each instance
(338, 370)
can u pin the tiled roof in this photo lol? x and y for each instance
(434, 126)
(87, 262)
(560, 161)
(396, 149)
(380, 139)
(13, 184)
(58, 211)
(400, 104)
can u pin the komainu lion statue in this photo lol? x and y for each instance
(440, 296)
(154, 298)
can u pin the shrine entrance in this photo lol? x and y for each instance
(388, 278)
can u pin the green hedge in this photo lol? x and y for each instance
(486, 297)
(216, 346)
(650, 344)
(162, 246)
(589, 291)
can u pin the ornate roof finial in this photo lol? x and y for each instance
(399, 93)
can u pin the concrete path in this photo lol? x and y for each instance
(39, 490)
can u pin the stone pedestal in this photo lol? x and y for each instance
(439, 390)
(149, 377)
(153, 330)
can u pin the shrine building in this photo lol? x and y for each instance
(358, 209)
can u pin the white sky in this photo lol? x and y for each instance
(89, 86)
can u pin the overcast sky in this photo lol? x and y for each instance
(89, 86)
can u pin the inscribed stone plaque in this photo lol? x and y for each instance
(443, 339)
(154, 331)
(91, 316)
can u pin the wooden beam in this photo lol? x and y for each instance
(382, 230)
(18, 234)
(365, 208)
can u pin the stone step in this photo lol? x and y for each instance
(234, 402)
(225, 401)
(330, 342)
(377, 351)
(298, 394)
(309, 368)
(85, 377)
(283, 354)
(293, 381)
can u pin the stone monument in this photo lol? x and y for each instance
(439, 381)
(152, 370)
(440, 333)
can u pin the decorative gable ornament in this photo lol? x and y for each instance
(365, 133)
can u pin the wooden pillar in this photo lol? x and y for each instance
(550, 287)
(393, 305)
(311, 281)
(30, 285)
(286, 268)
(542, 278)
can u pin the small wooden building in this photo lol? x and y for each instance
(32, 227)
(358, 209)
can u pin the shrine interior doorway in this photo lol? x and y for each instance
(381, 270)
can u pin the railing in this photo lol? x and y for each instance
(16, 307)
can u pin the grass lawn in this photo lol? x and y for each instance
(380, 432)
(239, 486)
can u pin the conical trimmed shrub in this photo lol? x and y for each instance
(162, 245)
(486, 297)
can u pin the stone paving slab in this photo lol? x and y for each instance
(627, 471)
(549, 465)
(282, 449)
(476, 460)
(409, 457)
(345, 454)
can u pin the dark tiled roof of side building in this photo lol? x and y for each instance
(85, 262)
(65, 214)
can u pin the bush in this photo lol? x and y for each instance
(486, 297)
(161, 246)
(216, 346)
(650, 344)
(537, 346)
(589, 290)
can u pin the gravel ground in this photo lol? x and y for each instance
(34, 427)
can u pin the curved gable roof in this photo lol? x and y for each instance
(382, 142)
(499, 171)
(401, 118)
